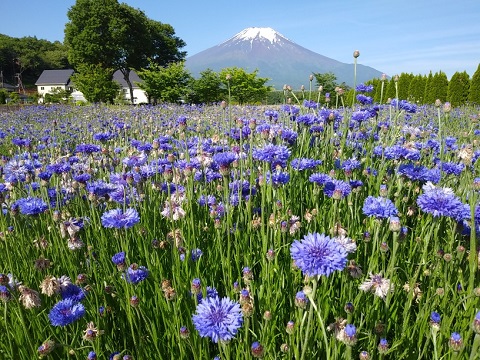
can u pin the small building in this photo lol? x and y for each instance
(139, 96)
(52, 80)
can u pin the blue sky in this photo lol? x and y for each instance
(413, 36)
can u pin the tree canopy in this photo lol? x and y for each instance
(117, 36)
(29, 56)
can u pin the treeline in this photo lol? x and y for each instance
(426, 89)
(29, 56)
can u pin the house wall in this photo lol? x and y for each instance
(44, 89)
(139, 96)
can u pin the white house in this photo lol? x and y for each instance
(51, 80)
(139, 96)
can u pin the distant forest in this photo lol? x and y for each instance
(28, 57)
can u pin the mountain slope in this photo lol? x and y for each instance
(276, 58)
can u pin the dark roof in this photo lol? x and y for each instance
(7, 87)
(56, 77)
(134, 78)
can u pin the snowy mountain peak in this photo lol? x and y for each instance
(265, 33)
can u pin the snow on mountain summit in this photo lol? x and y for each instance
(252, 33)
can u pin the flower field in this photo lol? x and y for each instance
(276, 232)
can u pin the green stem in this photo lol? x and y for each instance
(475, 347)
(434, 340)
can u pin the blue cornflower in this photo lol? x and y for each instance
(362, 115)
(304, 163)
(383, 346)
(119, 258)
(135, 274)
(310, 104)
(306, 119)
(379, 207)
(452, 168)
(4, 294)
(455, 342)
(476, 323)
(364, 100)
(120, 220)
(350, 164)
(277, 178)
(72, 292)
(100, 188)
(92, 355)
(319, 178)
(364, 88)
(30, 206)
(210, 292)
(196, 254)
(273, 154)
(349, 335)
(82, 178)
(301, 300)
(87, 148)
(419, 173)
(337, 189)
(102, 137)
(218, 319)
(435, 319)
(66, 312)
(318, 254)
(137, 159)
(439, 201)
(404, 105)
(257, 350)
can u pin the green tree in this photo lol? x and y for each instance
(439, 86)
(3, 96)
(403, 85)
(328, 81)
(416, 89)
(458, 87)
(118, 36)
(244, 87)
(207, 88)
(429, 96)
(165, 84)
(474, 93)
(390, 91)
(96, 83)
(29, 56)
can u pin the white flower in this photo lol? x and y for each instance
(377, 285)
(347, 243)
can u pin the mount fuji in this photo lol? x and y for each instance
(276, 58)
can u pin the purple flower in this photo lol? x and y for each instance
(379, 207)
(304, 164)
(364, 88)
(120, 220)
(87, 148)
(72, 292)
(119, 258)
(196, 254)
(317, 254)
(30, 206)
(66, 312)
(218, 319)
(364, 100)
(337, 189)
(319, 178)
(439, 201)
(135, 274)
(273, 154)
